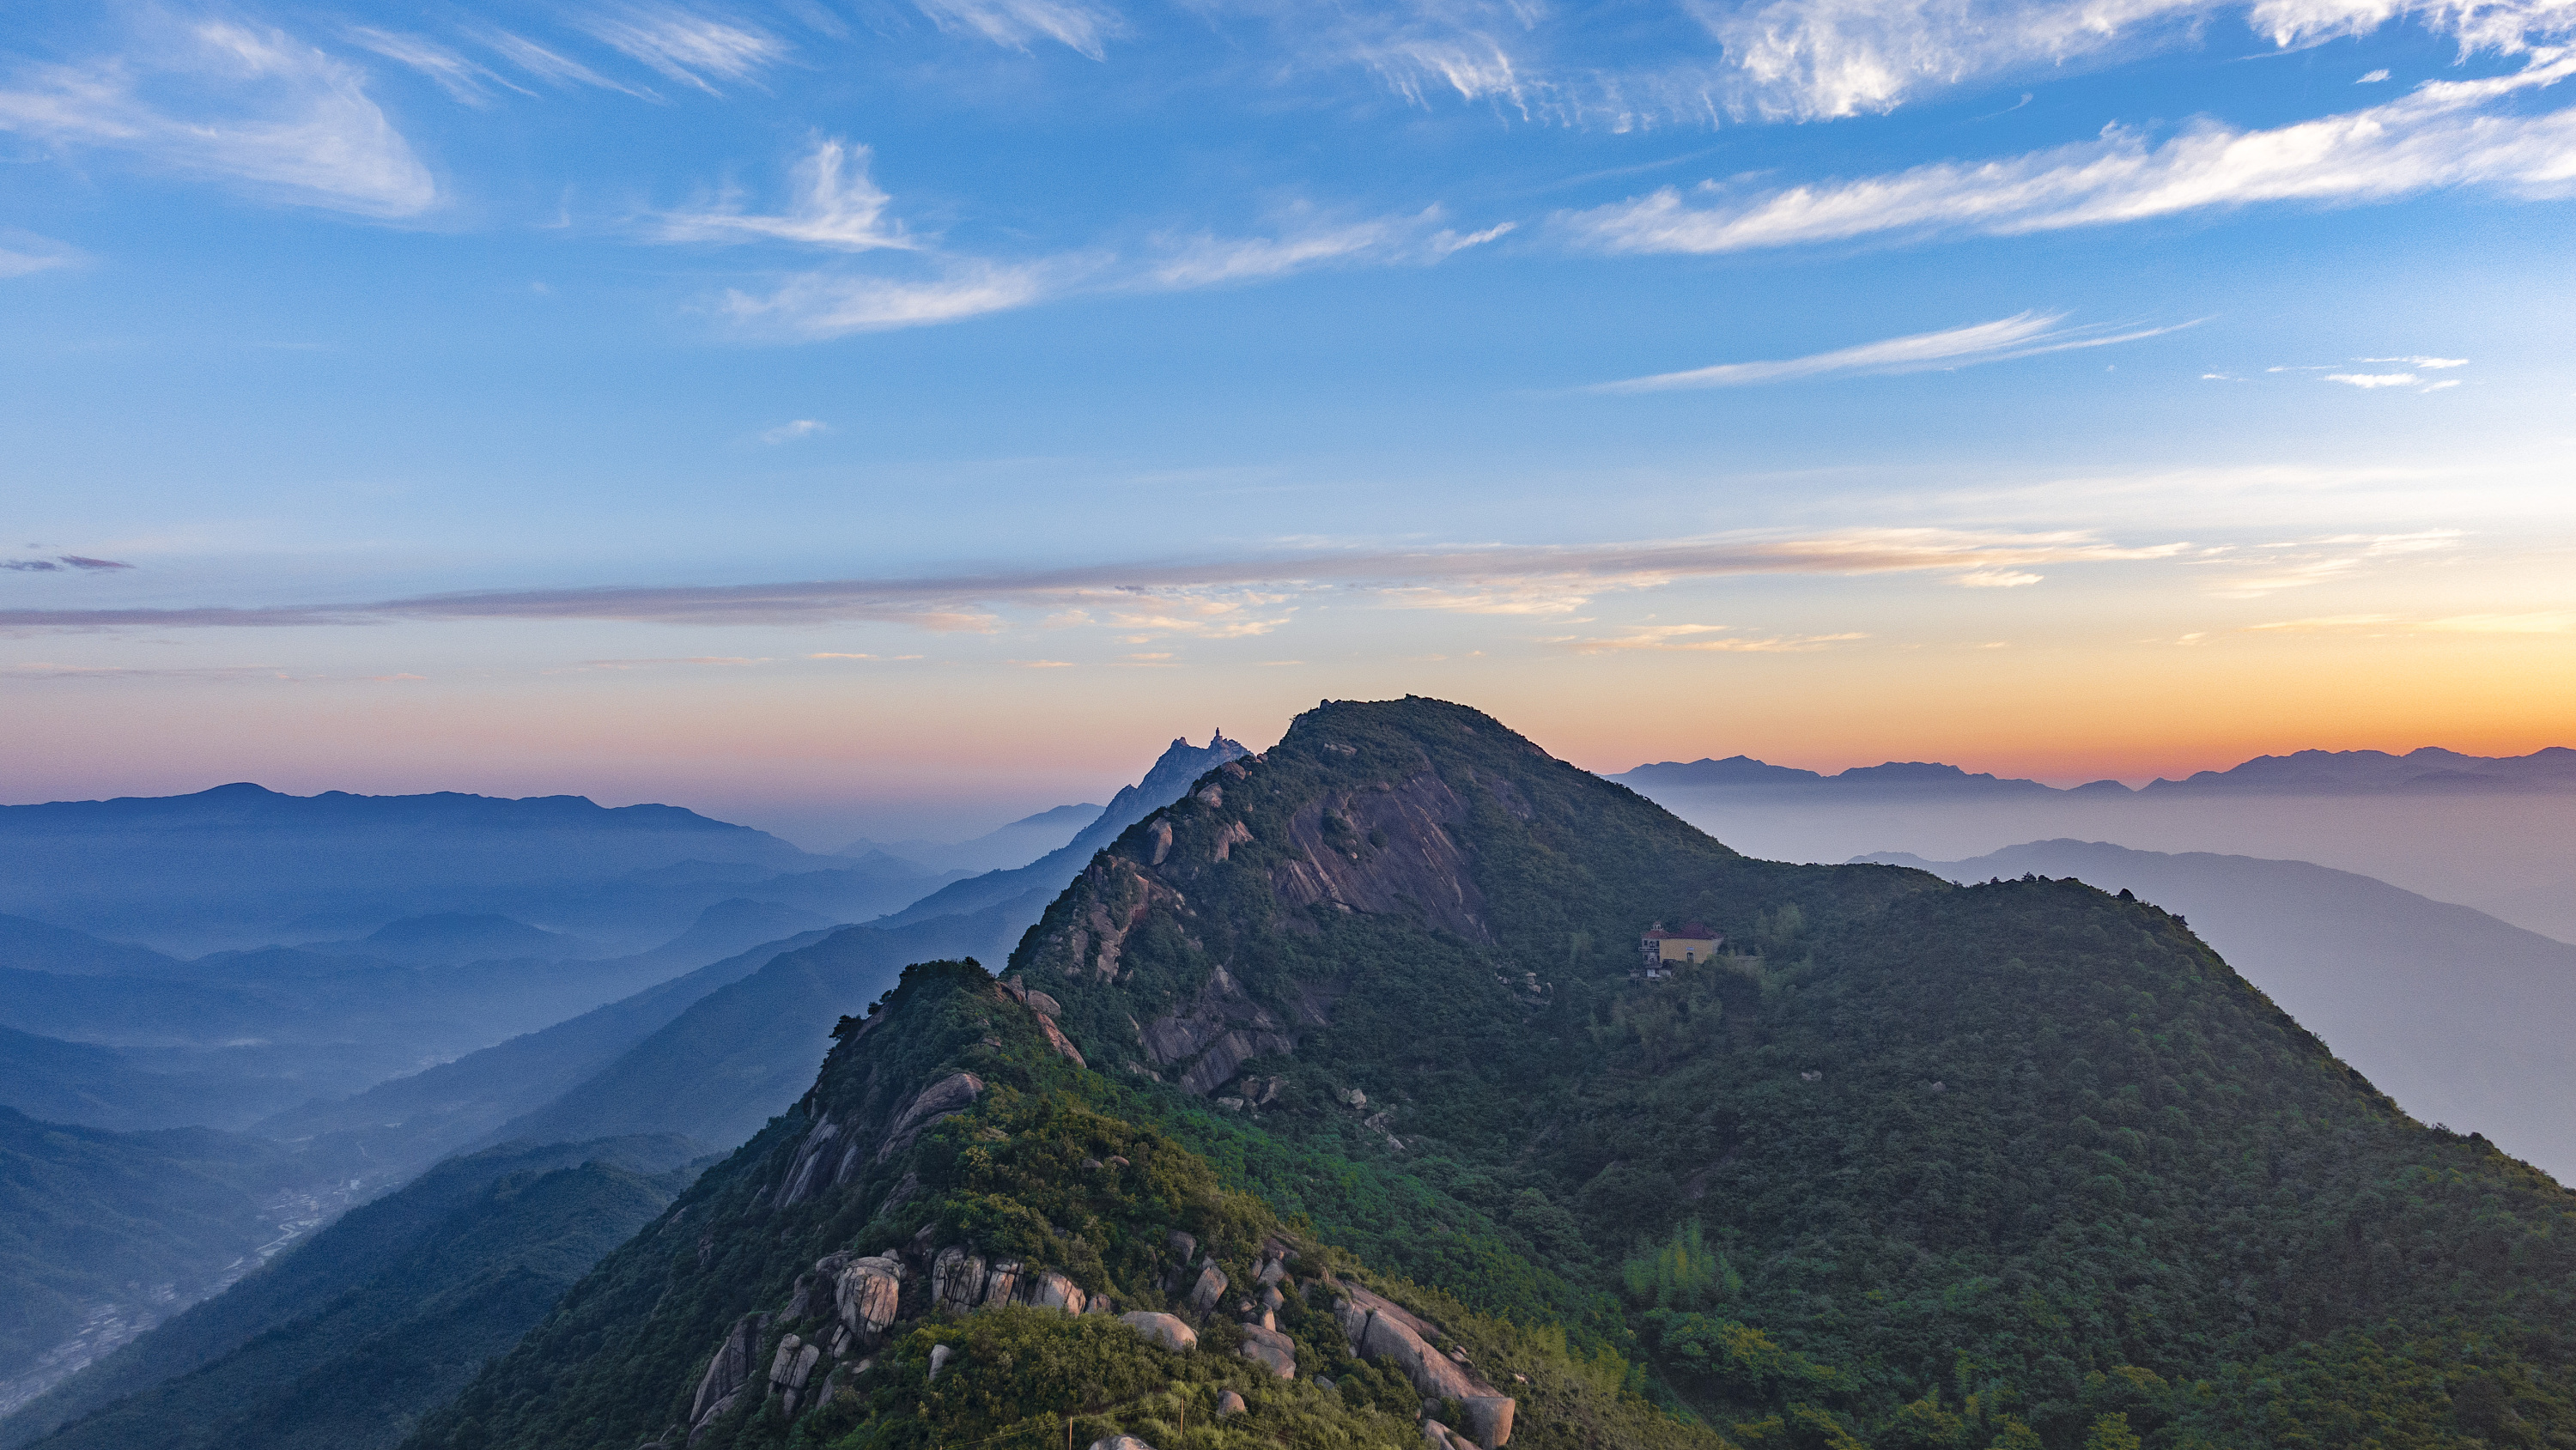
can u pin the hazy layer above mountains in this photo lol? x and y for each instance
(2462, 1018)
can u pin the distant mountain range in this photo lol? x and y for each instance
(241, 864)
(233, 1036)
(2462, 1018)
(1016, 844)
(2305, 772)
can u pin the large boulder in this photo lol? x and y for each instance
(1380, 1329)
(790, 1368)
(1209, 1289)
(957, 1279)
(1489, 1419)
(1002, 1281)
(865, 1293)
(1271, 1350)
(1055, 1291)
(1167, 1330)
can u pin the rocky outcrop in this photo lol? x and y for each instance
(790, 1368)
(865, 1296)
(1209, 1289)
(727, 1374)
(1054, 1291)
(1382, 1330)
(1118, 895)
(945, 1098)
(1386, 850)
(957, 1279)
(1215, 1033)
(1167, 1330)
(1047, 1010)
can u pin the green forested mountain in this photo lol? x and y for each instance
(375, 1325)
(1907, 1164)
(96, 1225)
(378, 1264)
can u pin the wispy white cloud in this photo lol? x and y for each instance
(817, 305)
(2024, 334)
(2300, 564)
(252, 106)
(24, 253)
(2420, 362)
(1804, 60)
(686, 45)
(800, 428)
(836, 206)
(1208, 260)
(551, 66)
(1697, 638)
(1208, 597)
(2435, 137)
(1083, 28)
(1818, 59)
(2375, 380)
(465, 81)
(2535, 621)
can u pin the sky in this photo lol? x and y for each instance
(882, 414)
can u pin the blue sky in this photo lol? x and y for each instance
(2123, 385)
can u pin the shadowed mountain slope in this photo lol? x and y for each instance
(323, 1297)
(372, 1332)
(98, 1227)
(417, 1119)
(2462, 1018)
(97, 1087)
(738, 1055)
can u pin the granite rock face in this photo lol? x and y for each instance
(1380, 1329)
(1167, 1330)
(727, 1373)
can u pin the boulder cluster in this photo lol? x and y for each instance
(842, 1312)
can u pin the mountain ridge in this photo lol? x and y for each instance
(2000, 1165)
